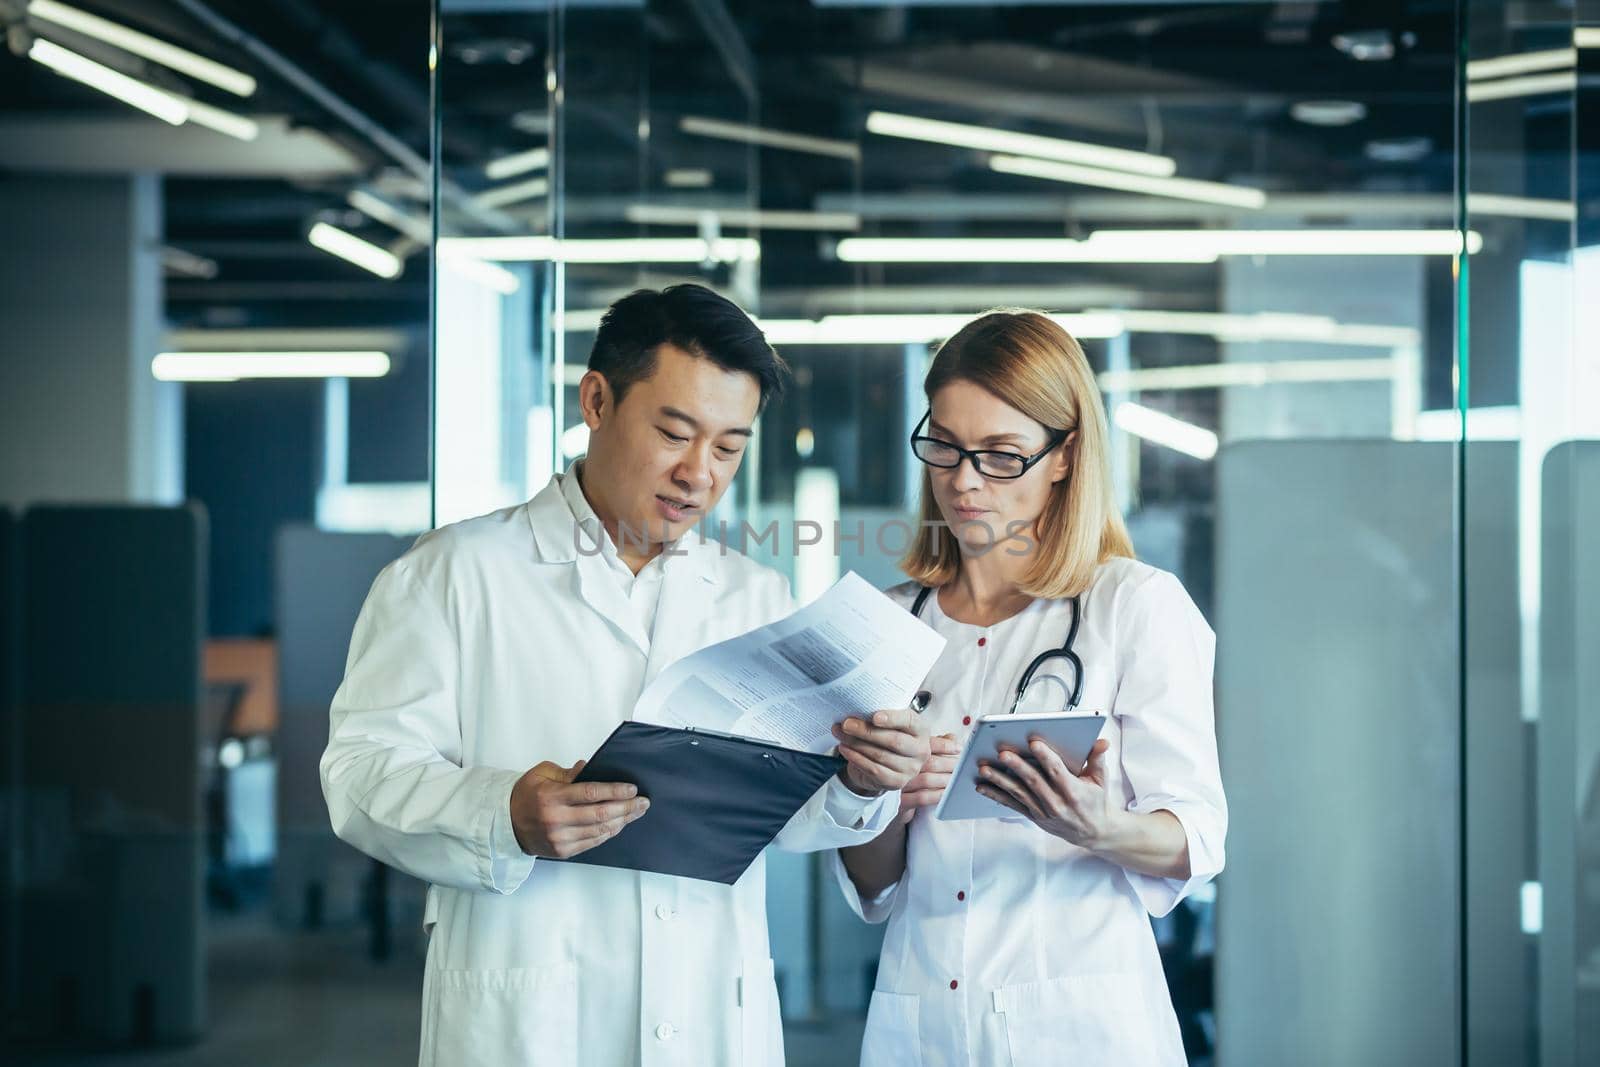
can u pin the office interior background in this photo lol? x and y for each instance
(327, 277)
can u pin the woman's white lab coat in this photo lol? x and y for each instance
(1007, 945)
(495, 644)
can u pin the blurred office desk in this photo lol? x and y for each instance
(110, 913)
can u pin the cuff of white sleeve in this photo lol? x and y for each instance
(868, 909)
(506, 866)
(1160, 895)
(850, 810)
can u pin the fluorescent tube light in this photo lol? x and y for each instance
(131, 91)
(514, 193)
(1586, 36)
(157, 51)
(1530, 85)
(1287, 242)
(1267, 326)
(489, 275)
(233, 366)
(1176, 188)
(516, 163)
(1007, 250)
(987, 139)
(675, 215)
(747, 134)
(687, 178)
(1521, 63)
(348, 246)
(910, 329)
(377, 208)
(215, 118)
(1240, 373)
(535, 248)
(1521, 207)
(1159, 428)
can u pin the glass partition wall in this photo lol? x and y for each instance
(1335, 266)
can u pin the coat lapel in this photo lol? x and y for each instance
(688, 590)
(558, 539)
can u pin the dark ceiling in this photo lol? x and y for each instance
(1211, 84)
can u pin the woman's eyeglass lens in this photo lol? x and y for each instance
(990, 464)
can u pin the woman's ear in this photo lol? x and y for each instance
(1061, 462)
(594, 398)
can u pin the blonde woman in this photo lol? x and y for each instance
(1027, 940)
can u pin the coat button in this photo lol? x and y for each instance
(664, 1032)
(966, 720)
(961, 894)
(982, 641)
(663, 912)
(953, 983)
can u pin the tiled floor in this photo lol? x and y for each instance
(315, 1000)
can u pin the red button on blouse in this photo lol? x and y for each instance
(982, 641)
(952, 983)
(966, 720)
(961, 894)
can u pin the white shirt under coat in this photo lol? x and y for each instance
(503, 641)
(1005, 944)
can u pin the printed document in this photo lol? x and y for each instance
(850, 652)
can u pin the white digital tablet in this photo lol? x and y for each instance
(1070, 733)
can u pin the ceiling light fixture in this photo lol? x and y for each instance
(1266, 326)
(1286, 242)
(1159, 428)
(145, 46)
(1328, 112)
(676, 215)
(234, 366)
(1003, 250)
(758, 135)
(1521, 63)
(984, 138)
(352, 249)
(1247, 374)
(1176, 188)
(516, 163)
(515, 193)
(535, 248)
(910, 329)
(215, 118)
(687, 178)
(1528, 85)
(380, 210)
(147, 98)
(1521, 207)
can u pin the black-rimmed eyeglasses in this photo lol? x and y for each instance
(991, 463)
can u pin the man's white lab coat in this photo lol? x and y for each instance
(495, 644)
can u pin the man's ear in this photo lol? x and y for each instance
(1066, 452)
(594, 398)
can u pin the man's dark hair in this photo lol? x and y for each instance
(690, 317)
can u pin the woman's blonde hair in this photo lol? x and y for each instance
(1029, 361)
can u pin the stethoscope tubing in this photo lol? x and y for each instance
(1042, 658)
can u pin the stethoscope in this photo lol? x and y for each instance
(919, 703)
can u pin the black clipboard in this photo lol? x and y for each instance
(715, 800)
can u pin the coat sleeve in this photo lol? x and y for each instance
(392, 773)
(1169, 741)
(868, 909)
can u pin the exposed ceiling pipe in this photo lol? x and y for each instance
(343, 110)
